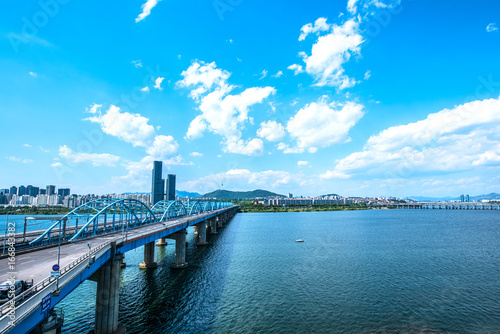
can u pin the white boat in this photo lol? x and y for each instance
(299, 240)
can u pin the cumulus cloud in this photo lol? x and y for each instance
(145, 89)
(330, 52)
(451, 140)
(163, 147)
(158, 82)
(271, 130)
(96, 159)
(131, 128)
(196, 154)
(319, 25)
(491, 27)
(146, 9)
(320, 124)
(221, 112)
(296, 68)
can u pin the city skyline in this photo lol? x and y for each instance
(360, 98)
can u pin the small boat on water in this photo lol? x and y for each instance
(299, 240)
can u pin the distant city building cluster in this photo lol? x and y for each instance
(322, 200)
(35, 196)
(161, 189)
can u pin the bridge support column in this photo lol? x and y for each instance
(201, 230)
(220, 221)
(162, 242)
(180, 250)
(149, 256)
(213, 226)
(107, 297)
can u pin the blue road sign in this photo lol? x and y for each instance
(55, 267)
(46, 301)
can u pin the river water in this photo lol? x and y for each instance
(373, 271)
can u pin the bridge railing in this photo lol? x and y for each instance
(104, 216)
(27, 301)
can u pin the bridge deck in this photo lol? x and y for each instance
(37, 265)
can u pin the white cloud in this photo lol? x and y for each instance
(163, 147)
(351, 6)
(145, 89)
(137, 63)
(319, 25)
(330, 52)
(222, 113)
(56, 164)
(196, 154)
(204, 76)
(277, 75)
(320, 124)
(492, 27)
(158, 82)
(263, 74)
(96, 159)
(451, 140)
(368, 74)
(33, 74)
(131, 128)
(146, 9)
(271, 130)
(26, 145)
(24, 161)
(303, 163)
(44, 150)
(296, 68)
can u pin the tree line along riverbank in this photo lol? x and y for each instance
(249, 206)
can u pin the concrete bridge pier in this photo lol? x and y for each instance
(201, 231)
(149, 256)
(180, 250)
(213, 225)
(162, 242)
(220, 221)
(107, 297)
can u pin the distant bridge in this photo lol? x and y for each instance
(93, 239)
(449, 206)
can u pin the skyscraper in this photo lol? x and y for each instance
(170, 189)
(462, 198)
(158, 184)
(467, 198)
(63, 192)
(13, 190)
(51, 190)
(21, 191)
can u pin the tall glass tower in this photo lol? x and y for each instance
(170, 191)
(158, 184)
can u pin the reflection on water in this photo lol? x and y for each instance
(377, 271)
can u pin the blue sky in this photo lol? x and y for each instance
(358, 97)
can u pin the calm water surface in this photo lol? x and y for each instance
(376, 271)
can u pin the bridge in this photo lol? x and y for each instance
(449, 206)
(90, 243)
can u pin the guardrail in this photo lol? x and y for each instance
(34, 295)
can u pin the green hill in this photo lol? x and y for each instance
(227, 194)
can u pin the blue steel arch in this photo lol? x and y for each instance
(111, 215)
(114, 213)
(165, 210)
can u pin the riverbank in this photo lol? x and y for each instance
(28, 210)
(250, 207)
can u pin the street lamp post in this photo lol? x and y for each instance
(56, 292)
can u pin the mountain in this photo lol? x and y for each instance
(184, 194)
(227, 194)
(179, 193)
(491, 196)
(329, 195)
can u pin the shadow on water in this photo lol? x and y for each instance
(162, 300)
